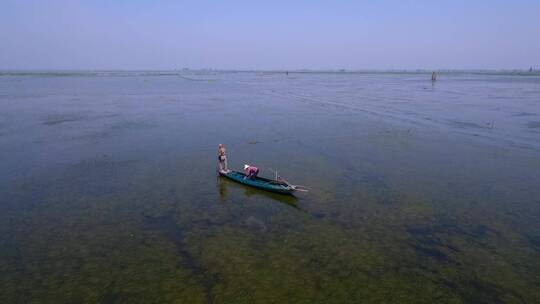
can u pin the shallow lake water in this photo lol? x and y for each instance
(419, 192)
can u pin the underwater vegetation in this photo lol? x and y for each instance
(109, 192)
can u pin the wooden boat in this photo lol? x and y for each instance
(271, 185)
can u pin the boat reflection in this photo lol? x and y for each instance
(224, 185)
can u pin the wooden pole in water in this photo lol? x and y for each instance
(434, 76)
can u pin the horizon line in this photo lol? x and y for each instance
(342, 70)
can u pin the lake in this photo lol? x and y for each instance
(419, 192)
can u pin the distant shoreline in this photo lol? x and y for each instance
(518, 72)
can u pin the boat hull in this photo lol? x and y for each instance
(259, 182)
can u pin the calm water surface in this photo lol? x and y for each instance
(419, 193)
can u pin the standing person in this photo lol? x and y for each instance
(222, 158)
(251, 171)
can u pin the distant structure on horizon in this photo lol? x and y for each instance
(530, 70)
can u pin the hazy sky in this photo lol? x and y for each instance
(401, 34)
